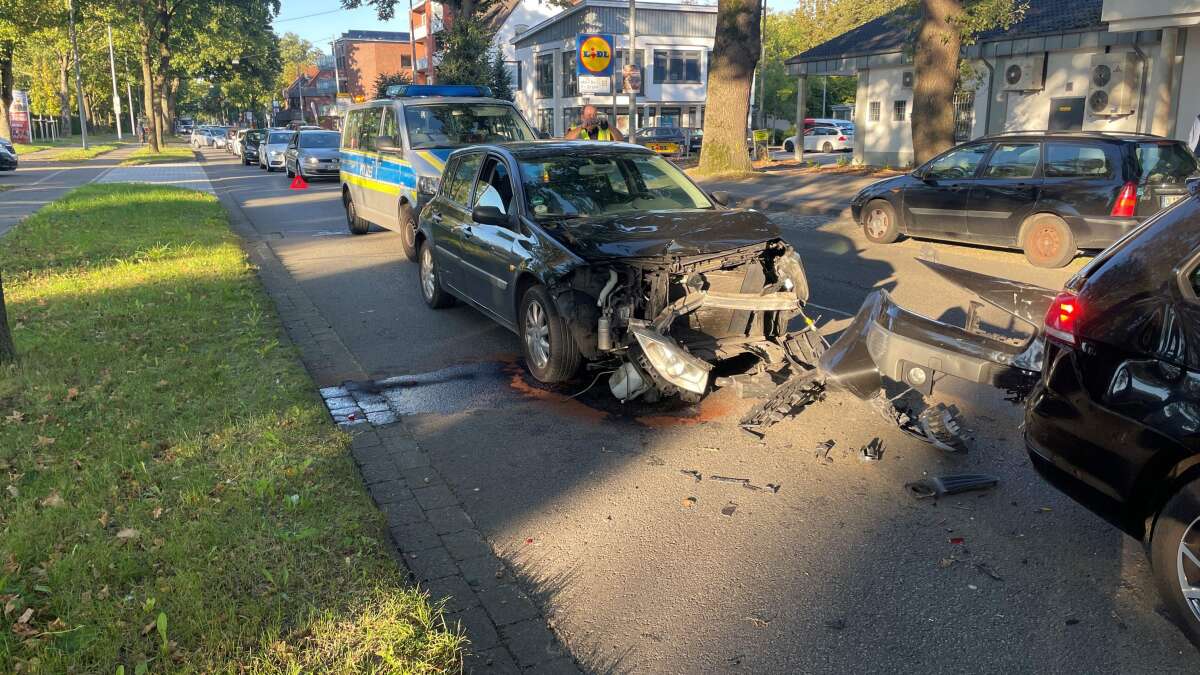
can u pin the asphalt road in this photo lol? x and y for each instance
(839, 571)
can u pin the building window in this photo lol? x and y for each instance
(677, 67)
(964, 115)
(874, 111)
(545, 76)
(899, 111)
(570, 79)
(545, 120)
(669, 117)
(571, 117)
(405, 61)
(639, 59)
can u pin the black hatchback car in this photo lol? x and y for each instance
(1110, 375)
(607, 253)
(1047, 193)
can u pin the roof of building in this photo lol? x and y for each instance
(375, 36)
(892, 32)
(611, 16)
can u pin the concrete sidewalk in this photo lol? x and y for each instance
(805, 192)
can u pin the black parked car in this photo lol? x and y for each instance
(606, 252)
(1048, 193)
(8, 155)
(1110, 375)
(250, 146)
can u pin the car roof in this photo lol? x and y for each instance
(543, 148)
(1112, 136)
(429, 100)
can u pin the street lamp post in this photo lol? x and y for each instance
(78, 82)
(112, 65)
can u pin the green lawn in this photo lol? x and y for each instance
(172, 493)
(170, 153)
(68, 142)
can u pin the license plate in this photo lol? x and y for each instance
(1166, 200)
(667, 148)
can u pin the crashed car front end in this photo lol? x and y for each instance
(663, 324)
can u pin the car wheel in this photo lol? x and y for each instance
(288, 171)
(408, 232)
(879, 222)
(357, 225)
(1047, 241)
(550, 353)
(270, 169)
(431, 286)
(788, 146)
(827, 147)
(1175, 557)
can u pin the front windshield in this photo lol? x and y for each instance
(1165, 162)
(573, 185)
(279, 138)
(448, 125)
(320, 140)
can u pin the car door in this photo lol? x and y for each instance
(488, 258)
(450, 215)
(1005, 192)
(936, 204)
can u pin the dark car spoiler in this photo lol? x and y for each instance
(887, 341)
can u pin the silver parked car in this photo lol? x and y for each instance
(270, 151)
(312, 154)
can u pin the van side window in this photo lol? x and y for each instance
(350, 134)
(369, 129)
(1076, 160)
(389, 126)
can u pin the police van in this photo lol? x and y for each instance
(394, 150)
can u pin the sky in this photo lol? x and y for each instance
(320, 21)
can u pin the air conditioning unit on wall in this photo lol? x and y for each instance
(907, 78)
(1110, 85)
(1024, 73)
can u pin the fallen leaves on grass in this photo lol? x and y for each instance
(53, 500)
(127, 533)
(44, 441)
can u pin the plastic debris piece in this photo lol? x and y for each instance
(692, 473)
(871, 452)
(821, 452)
(773, 487)
(729, 479)
(957, 540)
(940, 486)
(688, 502)
(942, 426)
(728, 509)
(987, 569)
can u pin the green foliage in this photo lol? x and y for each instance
(295, 54)
(385, 80)
(501, 80)
(463, 50)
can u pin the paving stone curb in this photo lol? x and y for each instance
(434, 538)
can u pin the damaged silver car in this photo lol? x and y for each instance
(608, 255)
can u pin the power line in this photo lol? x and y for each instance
(309, 16)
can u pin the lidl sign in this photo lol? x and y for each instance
(594, 55)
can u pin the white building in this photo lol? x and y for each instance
(674, 43)
(1098, 65)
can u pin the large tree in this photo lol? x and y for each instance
(734, 58)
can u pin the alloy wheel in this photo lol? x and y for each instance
(537, 334)
(1188, 567)
(878, 223)
(428, 280)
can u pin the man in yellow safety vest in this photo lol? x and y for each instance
(592, 129)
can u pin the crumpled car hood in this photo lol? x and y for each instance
(662, 233)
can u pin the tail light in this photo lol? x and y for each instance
(1062, 317)
(841, 138)
(1126, 204)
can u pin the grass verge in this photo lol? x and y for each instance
(79, 154)
(169, 154)
(172, 495)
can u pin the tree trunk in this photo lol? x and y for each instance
(936, 59)
(164, 67)
(172, 97)
(148, 93)
(734, 57)
(8, 351)
(6, 86)
(64, 93)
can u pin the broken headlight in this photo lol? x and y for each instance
(671, 362)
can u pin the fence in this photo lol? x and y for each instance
(45, 128)
(964, 115)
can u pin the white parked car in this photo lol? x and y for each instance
(823, 139)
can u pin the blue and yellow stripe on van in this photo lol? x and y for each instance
(388, 174)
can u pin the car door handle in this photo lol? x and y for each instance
(467, 232)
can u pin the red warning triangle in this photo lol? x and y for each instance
(299, 183)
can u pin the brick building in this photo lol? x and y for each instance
(315, 88)
(363, 55)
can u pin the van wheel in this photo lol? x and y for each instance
(879, 222)
(1047, 241)
(357, 225)
(1175, 557)
(408, 232)
(550, 353)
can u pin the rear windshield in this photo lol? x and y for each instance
(279, 138)
(320, 140)
(1164, 162)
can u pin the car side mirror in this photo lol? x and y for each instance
(721, 197)
(489, 215)
(387, 144)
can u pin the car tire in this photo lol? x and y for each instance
(789, 146)
(1177, 528)
(879, 222)
(356, 224)
(1047, 241)
(431, 284)
(550, 352)
(408, 232)
(827, 147)
(270, 169)
(288, 171)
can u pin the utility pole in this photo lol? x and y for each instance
(633, 60)
(78, 82)
(762, 71)
(112, 65)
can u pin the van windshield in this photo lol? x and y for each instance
(1165, 162)
(449, 125)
